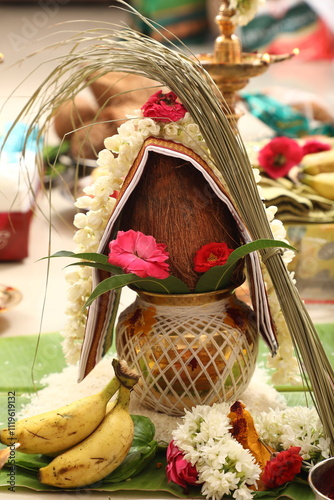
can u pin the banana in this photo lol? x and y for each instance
(316, 163)
(56, 430)
(99, 454)
(323, 184)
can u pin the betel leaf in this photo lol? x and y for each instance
(144, 431)
(219, 277)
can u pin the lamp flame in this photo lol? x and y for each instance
(266, 58)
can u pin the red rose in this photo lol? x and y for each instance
(282, 468)
(279, 156)
(210, 255)
(314, 146)
(178, 470)
(164, 107)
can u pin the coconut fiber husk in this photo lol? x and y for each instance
(174, 203)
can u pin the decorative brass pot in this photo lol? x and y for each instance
(189, 349)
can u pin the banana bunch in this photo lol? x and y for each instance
(317, 171)
(56, 430)
(98, 455)
(95, 433)
(323, 183)
(102, 451)
(317, 163)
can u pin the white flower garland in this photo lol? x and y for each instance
(223, 465)
(294, 426)
(115, 161)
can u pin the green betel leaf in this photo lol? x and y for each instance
(219, 277)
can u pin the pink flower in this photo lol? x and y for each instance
(279, 156)
(282, 468)
(314, 146)
(164, 107)
(178, 470)
(137, 253)
(210, 255)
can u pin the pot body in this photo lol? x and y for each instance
(189, 349)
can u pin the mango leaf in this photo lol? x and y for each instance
(105, 267)
(154, 285)
(219, 277)
(98, 258)
(167, 285)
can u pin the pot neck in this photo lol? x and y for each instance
(187, 299)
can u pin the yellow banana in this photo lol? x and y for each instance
(316, 163)
(323, 184)
(60, 429)
(98, 455)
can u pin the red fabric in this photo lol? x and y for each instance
(14, 235)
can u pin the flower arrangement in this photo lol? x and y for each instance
(161, 116)
(280, 154)
(226, 451)
(212, 137)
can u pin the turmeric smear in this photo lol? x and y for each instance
(243, 430)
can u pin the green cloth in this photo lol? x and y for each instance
(18, 354)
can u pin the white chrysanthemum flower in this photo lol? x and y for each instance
(294, 426)
(223, 465)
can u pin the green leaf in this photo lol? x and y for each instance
(104, 267)
(167, 285)
(93, 256)
(219, 277)
(144, 431)
(171, 285)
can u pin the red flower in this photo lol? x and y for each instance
(210, 255)
(279, 156)
(282, 468)
(164, 107)
(178, 470)
(314, 146)
(137, 253)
